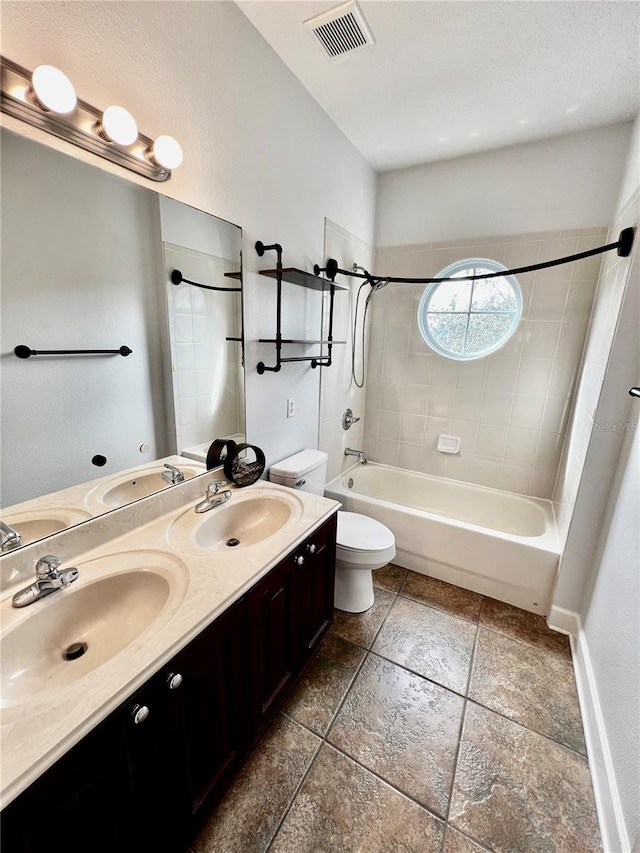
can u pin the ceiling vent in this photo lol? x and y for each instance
(341, 31)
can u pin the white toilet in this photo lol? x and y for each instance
(363, 544)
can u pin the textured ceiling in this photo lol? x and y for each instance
(448, 78)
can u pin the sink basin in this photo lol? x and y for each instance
(244, 523)
(105, 613)
(133, 487)
(34, 524)
(247, 519)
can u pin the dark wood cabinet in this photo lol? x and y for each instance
(84, 802)
(316, 576)
(215, 687)
(145, 778)
(290, 611)
(153, 722)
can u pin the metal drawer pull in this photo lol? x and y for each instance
(174, 680)
(139, 714)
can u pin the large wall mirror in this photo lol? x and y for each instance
(86, 265)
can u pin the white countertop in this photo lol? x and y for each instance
(36, 731)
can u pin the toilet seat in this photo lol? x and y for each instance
(363, 541)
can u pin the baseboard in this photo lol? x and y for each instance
(610, 817)
(563, 621)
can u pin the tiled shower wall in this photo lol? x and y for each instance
(606, 308)
(206, 368)
(337, 389)
(510, 409)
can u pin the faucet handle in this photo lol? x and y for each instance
(214, 487)
(47, 567)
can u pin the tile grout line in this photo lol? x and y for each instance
(462, 718)
(466, 699)
(295, 793)
(323, 738)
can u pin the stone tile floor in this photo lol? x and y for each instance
(439, 721)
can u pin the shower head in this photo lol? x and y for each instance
(357, 267)
(376, 284)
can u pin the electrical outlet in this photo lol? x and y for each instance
(291, 407)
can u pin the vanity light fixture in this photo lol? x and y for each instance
(47, 100)
(166, 152)
(117, 125)
(51, 90)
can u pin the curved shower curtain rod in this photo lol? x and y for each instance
(624, 245)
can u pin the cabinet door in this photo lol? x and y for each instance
(215, 684)
(153, 722)
(83, 802)
(316, 577)
(274, 632)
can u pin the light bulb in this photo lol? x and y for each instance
(118, 125)
(166, 152)
(53, 90)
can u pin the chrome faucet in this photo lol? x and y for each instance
(213, 496)
(172, 475)
(10, 538)
(349, 451)
(48, 579)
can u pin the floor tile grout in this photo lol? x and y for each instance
(460, 730)
(366, 651)
(295, 793)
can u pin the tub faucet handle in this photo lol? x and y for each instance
(348, 419)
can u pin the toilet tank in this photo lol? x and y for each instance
(306, 471)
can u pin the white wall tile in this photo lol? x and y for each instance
(416, 399)
(496, 408)
(534, 376)
(387, 452)
(491, 441)
(412, 428)
(468, 404)
(540, 339)
(521, 446)
(527, 411)
(389, 425)
(440, 403)
(499, 405)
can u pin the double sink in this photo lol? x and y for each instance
(124, 601)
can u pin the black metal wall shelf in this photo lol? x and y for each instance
(292, 341)
(301, 279)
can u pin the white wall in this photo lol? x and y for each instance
(598, 585)
(258, 151)
(570, 181)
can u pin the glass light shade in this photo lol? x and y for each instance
(119, 125)
(53, 90)
(166, 152)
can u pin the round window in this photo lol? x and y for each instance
(464, 320)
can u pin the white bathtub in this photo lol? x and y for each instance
(498, 544)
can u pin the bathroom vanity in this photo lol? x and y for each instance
(148, 740)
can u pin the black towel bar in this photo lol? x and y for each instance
(26, 352)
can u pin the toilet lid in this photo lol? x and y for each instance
(361, 533)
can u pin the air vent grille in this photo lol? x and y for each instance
(341, 30)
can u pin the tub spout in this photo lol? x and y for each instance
(349, 451)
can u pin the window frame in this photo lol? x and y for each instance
(430, 290)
